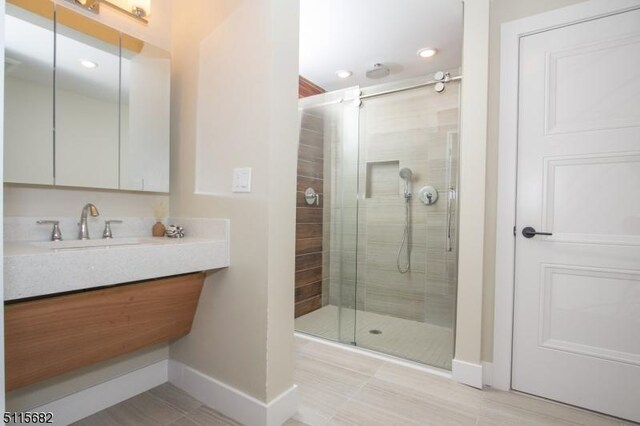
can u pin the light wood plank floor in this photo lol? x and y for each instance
(340, 387)
(162, 406)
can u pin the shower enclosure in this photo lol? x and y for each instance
(387, 204)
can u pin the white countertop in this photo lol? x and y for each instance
(37, 268)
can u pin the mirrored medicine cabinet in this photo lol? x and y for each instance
(85, 105)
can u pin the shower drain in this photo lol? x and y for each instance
(374, 331)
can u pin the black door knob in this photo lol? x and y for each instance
(530, 232)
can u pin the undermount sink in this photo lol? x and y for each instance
(88, 244)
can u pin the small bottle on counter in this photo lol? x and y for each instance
(158, 228)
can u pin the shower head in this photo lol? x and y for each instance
(406, 173)
(378, 71)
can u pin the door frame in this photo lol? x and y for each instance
(511, 33)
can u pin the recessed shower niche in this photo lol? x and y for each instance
(381, 179)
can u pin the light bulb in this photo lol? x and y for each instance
(427, 52)
(88, 64)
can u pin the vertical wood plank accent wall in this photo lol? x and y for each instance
(309, 218)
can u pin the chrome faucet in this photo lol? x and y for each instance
(84, 228)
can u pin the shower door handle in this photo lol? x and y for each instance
(449, 218)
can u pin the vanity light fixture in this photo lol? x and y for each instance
(138, 9)
(343, 74)
(88, 64)
(427, 52)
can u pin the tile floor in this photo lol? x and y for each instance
(340, 387)
(413, 340)
(165, 405)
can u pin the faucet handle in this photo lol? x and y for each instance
(107, 228)
(56, 235)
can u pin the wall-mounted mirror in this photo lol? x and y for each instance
(144, 116)
(87, 102)
(106, 94)
(28, 102)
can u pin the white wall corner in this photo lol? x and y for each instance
(231, 402)
(467, 373)
(472, 180)
(283, 407)
(89, 401)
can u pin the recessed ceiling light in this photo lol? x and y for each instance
(343, 74)
(88, 64)
(427, 52)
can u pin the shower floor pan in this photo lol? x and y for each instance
(412, 340)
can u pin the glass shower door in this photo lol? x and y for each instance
(329, 134)
(388, 200)
(407, 251)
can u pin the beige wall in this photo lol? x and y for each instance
(501, 11)
(234, 93)
(42, 201)
(25, 201)
(472, 190)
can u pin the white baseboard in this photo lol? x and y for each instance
(89, 401)
(487, 373)
(231, 402)
(467, 373)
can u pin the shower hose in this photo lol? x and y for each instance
(406, 239)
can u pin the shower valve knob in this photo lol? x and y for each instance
(311, 197)
(428, 195)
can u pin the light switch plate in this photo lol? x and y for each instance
(241, 180)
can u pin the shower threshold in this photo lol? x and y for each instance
(416, 342)
(377, 355)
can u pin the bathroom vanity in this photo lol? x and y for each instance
(49, 336)
(73, 303)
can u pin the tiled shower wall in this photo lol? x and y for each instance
(419, 130)
(308, 278)
(308, 275)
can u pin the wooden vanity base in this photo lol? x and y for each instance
(58, 334)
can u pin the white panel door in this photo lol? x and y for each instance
(577, 292)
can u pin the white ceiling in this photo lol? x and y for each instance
(355, 34)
